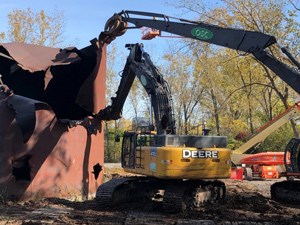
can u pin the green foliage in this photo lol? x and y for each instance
(278, 140)
(112, 149)
(234, 144)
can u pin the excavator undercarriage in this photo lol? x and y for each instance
(176, 195)
(286, 192)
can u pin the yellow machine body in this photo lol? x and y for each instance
(179, 162)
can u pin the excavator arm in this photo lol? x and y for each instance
(139, 65)
(251, 42)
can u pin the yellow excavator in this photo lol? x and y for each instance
(184, 168)
(170, 163)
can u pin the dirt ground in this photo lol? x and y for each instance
(245, 203)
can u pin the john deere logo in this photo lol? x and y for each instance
(202, 33)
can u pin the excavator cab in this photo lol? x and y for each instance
(133, 141)
(129, 150)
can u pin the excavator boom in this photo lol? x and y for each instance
(227, 37)
(251, 42)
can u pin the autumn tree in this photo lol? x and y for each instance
(35, 28)
(238, 92)
(113, 130)
(185, 90)
(270, 17)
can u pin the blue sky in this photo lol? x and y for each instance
(85, 20)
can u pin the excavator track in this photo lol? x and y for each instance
(105, 191)
(192, 195)
(120, 190)
(286, 192)
(178, 195)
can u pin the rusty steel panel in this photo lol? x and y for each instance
(62, 157)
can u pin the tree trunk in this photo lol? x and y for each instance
(250, 115)
(216, 114)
